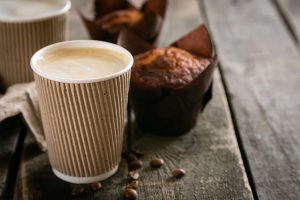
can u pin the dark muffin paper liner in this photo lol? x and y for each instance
(168, 111)
(148, 28)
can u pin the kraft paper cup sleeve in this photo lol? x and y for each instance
(198, 43)
(148, 28)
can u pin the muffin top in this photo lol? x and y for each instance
(169, 67)
(117, 20)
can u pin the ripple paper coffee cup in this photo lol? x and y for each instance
(25, 27)
(83, 119)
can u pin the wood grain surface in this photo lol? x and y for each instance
(261, 68)
(209, 152)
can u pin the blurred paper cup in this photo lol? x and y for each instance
(25, 27)
(83, 120)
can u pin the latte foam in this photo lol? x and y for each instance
(25, 9)
(81, 63)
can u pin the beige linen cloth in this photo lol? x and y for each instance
(22, 98)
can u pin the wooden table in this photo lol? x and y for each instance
(246, 145)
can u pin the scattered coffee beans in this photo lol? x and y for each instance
(157, 162)
(179, 172)
(134, 184)
(133, 175)
(135, 164)
(131, 157)
(130, 194)
(96, 186)
(77, 190)
(138, 153)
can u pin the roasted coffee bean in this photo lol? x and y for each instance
(135, 164)
(133, 175)
(130, 194)
(77, 190)
(138, 153)
(134, 184)
(157, 162)
(131, 157)
(179, 172)
(96, 186)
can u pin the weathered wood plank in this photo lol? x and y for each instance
(11, 136)
(209, 152)
(260, 63)
(291, 12)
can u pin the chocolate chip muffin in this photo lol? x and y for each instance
(169, 87)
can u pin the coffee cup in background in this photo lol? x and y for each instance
(25, 27)
(83, 91)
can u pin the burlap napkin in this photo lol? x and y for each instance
(22, 98)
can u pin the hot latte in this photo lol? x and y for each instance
(22, 9)
(81, 63)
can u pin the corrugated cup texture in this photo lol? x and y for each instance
(84, 124)
(19, 41)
